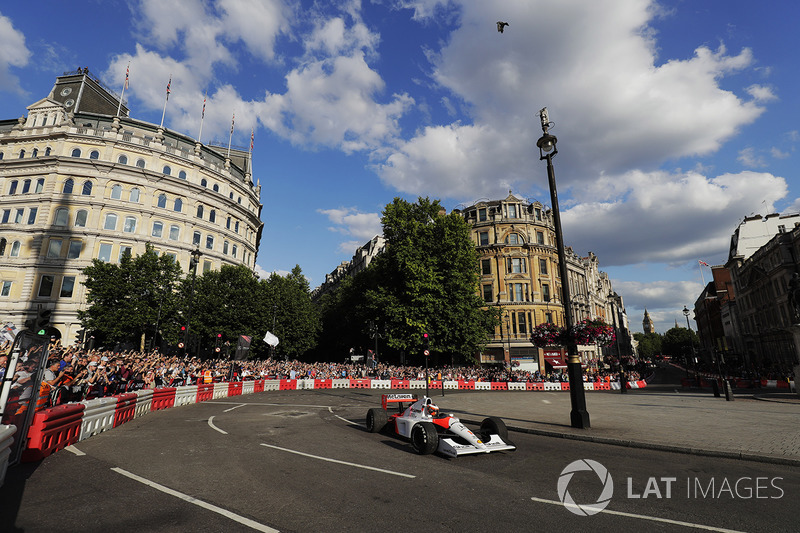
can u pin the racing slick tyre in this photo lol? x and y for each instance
(424, 438)
(376, 420)
(494, 426)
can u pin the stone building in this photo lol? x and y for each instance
(82, 180)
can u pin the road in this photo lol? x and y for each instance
(302, 461)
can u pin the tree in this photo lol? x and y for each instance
(649, 344)
(679, 341)
(287, 311)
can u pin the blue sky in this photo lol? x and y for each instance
(675, 119)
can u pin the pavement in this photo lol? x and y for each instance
(757, 425)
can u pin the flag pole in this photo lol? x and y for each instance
(202, 117)
(233, 119)
(250, 162)
(164, 112)
(700, 266)
(124, 86)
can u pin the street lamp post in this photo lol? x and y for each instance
(193, 266)
(622, 381)
(694, 359)
(547, 149)
(508, 339)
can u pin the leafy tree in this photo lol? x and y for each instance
(132, 298)
(649, 344)
(678, 341)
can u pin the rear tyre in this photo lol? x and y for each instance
(424, 438)
(494, 426)
(376, 420)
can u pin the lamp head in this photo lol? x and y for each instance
(685, 311)
(547, 144)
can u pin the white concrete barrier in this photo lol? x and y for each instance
(98, 416)
(220, 391)
(416, 384)
(272, 384)
(6, 440)
(552, 386)
(588, 386)
(516, 386)
(450, 385)
(483, 385)
(248, 387)
(340, 384)
(144, 402)
(185, 395)
(380, 384)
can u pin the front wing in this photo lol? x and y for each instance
(448, 446)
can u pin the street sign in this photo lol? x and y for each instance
(427, 353)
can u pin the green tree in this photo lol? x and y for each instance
(287, 311)
(649, 344)
(679, 341)
(132, 298)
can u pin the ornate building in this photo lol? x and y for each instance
(647, 323)
(81, 180)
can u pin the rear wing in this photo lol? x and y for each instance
(387, 399)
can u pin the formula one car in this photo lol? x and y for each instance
(432, 431)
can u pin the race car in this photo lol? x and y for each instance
(430, 431)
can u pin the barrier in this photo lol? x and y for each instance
(416, 384)
(303, 384)
(185, 395)
(483, 385)
(248, 387)
(288, 384)
(98, 416)
(272, 384)
(234, 388)
(602, 385)
(534, 385)
(52, 430)
(144, 402)
(400, 384)
(564, 385)
(220, 391)
(435, 385)
(588, 386)
(466, 385)
(163, 398)
(549, 386)
(633, 384)
(359, 383)
(6, 440)
(125, 408)
(499, 385)
(258, 385)
(205, 391)
(340, 384)
(615, 385)
(451, 385)
(323, 383)
(381, 384)
(516, 386)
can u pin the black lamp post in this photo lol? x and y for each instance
(694, 359)
(193, 266)
(622, 381)
(547, 149)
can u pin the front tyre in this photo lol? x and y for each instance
(494, 426)
(376, 420)
(424, 438)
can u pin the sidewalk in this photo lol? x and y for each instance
(662, 418)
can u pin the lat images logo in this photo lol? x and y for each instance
(582, 465)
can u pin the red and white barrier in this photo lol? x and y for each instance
(6, 440)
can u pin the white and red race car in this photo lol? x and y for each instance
(430, 431)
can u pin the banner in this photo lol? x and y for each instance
(242, 347)
(271, 339)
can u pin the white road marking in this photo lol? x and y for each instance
(200, 503)
(74, 450)
(338, 461)
(280, 404)
(645, 517)
(348, 421)
(215, 428)
(235, 407)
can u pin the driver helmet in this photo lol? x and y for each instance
(432, 409)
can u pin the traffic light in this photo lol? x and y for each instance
(217, 347)
(426, 341)
(42, 321)
(79, 336)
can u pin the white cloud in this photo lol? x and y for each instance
(761, 93)
(349, 221)
(13, 53)
(750, 158)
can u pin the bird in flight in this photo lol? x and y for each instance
(501, 26)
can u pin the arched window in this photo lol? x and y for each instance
(94, 154)
(15, 249)
(111, 222)
(233, 252)
(130, 225)
(80, 218)
(46, 152)
(203, 182)
(35, 152)
(2, 246)
(174, 232)
(134, 197)
(216, 187)
(39, 185)
(116, 192)
(26, 186)
(178, 205)
(212, 216)
(162, 201)
(87, 188)
(158, 228)
(210, 242)
(21, 154)
(182, 174)
(12, 188)
(122, 159)
(68, 184)
(513, 238)
(140, 163)
(62, 217)
(167, 170)
(225, 247)
(231, 195)
(1, 156)
(196, 238)
(76, 152)
(200, 211)
(239, 201)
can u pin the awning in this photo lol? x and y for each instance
(554, 360)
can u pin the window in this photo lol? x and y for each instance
(80, 218)
(518, 292)
(3, 243)
(548, 317)
(35, 152)
(54, 248)
(166, 170)
(182, 174)
(32, 215)
(130, 225)
(516, 265)
(512, 211)
(134, 197)
(522, 326)
(1, 156)
(26, 186)
(212, 216)
(46, 150)
(140, 163)
(543, 266)
(482, 215)
(225, 247)
(116, 192)
(158, 229)
(87, 188)
(228, 223)
(111, 222)
(200, 211)
(196, 238)
(125, 250)
(74, 251)
(233, 252)
(122, 159)
(46, 286)
(538, 213)
(236, 227)
(6, 289)
(68, 184)
(15, 249)
(215, 187)
(62, 217)
(39, 185)
(94, 154)
(487, 293)
(546, 293)
(174, 233)
(486, 266)
(204, 182)
(76, 152)
(231, 195)
(22, 154)
(210, 242)
(12, 188)
(239, 200)
(67, 286)
(6, 215)
(162, 201)
(539, 237)
(483, 238)
(19, 216)
(206, 266)
(178, 205)
(512, 238)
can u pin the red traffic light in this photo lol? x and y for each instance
(219, 335)
(183, 328)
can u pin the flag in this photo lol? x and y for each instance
(127, 73)
(232, 121)
(203, 114)
(242, 347)
(271, 339)
(9, 332)
(704, 264)
(168, 84)
(252, 137)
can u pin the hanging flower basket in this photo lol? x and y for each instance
(547, 334)
(585, 332)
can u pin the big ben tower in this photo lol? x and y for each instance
(647, 323)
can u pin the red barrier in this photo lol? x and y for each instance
(783, 384)
(235, 388)
(565, 385)
(642, 384)
(323, 383)
(163, 398)
(360, 384)
(258, 385)
(534, 385)
(499, 385)
(466, 385)
(401, 384)
(435, 385)
(52, 430)
(205, 391)
(288, 384)
(125, 410)
(602, 385)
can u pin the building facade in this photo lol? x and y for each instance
(81, 180)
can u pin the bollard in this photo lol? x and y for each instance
(715, 387)
(728, 391)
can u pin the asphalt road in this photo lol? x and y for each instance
(302, 461)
